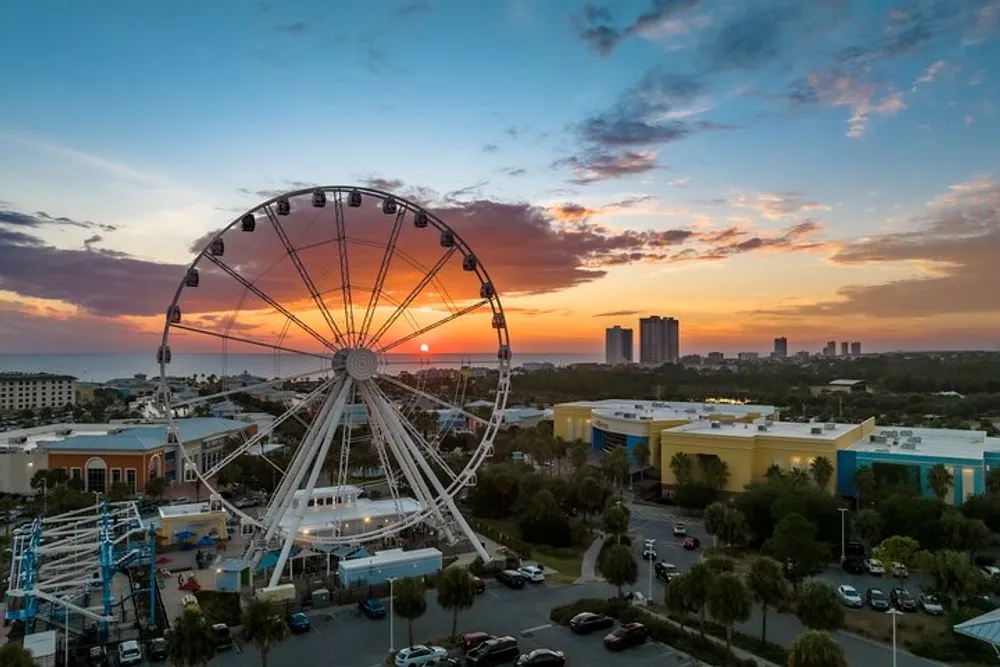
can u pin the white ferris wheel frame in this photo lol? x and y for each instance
(354, 356)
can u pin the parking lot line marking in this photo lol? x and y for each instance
(316, 630)
(535, 629)
(493, 595)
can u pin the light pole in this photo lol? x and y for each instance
(392, 633)
(843, 533)
(652, 563)
(894, 613)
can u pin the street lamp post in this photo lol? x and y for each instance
(652, 563)
(895, 655)
(392, 632)
(843, 534)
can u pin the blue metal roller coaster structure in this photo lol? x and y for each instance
(58, 562)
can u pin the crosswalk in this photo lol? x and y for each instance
(655, 513)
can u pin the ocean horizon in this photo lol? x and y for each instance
(98, 367)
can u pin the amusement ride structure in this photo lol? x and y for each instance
(340, 282)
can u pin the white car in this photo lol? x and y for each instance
(649, 553)
(417, 656)
(532, 573)
(680, 530)
(129, 653)
(874, 567)
(900, 571)
(990, 571)
(849, 596)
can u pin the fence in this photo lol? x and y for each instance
(521, 548)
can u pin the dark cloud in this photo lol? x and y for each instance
(516, 131)
(726, 243)
(490, 148)
(294, 28)
(596, 165)
(88, 243)
(415, 9)
(958, 239)
(593, 23)
(384, 184)
(38, 219)
(756, 37)
(513, 171)
(618, 313)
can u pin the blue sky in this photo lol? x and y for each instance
(158, 118)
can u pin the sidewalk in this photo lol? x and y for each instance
(738, 652)
(588, 567)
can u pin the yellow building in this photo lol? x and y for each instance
(189, 522)
(615, 422)
(749, 449)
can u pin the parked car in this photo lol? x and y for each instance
(853, 566)
(691, 543)
(930, 605)
(874, 567)
(298, 623)
(443, 662)
(510, 578)
(541, 657)
(372, 608)
(648, 553)
(849, 596)
(473, 639)
(129, 653)
(990, 571)
(901, 599)
(418, 656)
(98, 657)
(680, 530)
(532, 573)
(478, 585)
(665, 571)
(587, 622)
(223, 637)
(156, 650)
(877, 599)
(899, 570)
(631, 634)
(498, 651)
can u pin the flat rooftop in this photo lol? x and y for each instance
(615, 408)
(330, 516)
(187, 509)
(935, 442)
(777, 429)
(115, 437)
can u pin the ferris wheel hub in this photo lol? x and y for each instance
(360, 363)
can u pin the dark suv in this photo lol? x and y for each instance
(902, 600)
(510, 579)
(499, 651)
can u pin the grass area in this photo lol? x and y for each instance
(566, 562)
(910, 628)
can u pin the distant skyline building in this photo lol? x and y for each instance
(780, 347)
(831, 349)
(617, 346)
(855, 349)
(845, 349)
(659, 340)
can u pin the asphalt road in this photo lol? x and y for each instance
(652, 522)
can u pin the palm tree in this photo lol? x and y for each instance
(864, 483)
(682, 465)
(618, 566)
(768, 586)
(409, 601)
(699, 580)
(715, 515)
(729, 602)
(191, 641)
(821, 470)
(578, 455)
(15, 655)
(263, 626)
(714, 472)
(818, 607)
(615, 466)
(868, 526)
(615, 521)
(773, 473)
(641, 454)
(940, 480)
(815, 648)
(455, 591)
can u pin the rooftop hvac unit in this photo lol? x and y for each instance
(908, 445)
(768, 422)
(816, 430)
(880, 439)
(716, 425)
(915, 439)
(830, 426)
(691, 411)
(628, 415)
(709, 408)
(659, 404)
(19, 440)
(638, 406)
(116, 431)
(906, 432)
(762, 427)
(883, 450)
(891, 434)
(645, 418)
(873, 438)
(64, 431)
(619, 413)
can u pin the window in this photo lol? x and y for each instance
(130, 478)
(74, 473)
(116, 475)
(97, 475)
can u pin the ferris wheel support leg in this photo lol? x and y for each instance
(412, 474)
(329, 428)
(414, 452)
(296, 472)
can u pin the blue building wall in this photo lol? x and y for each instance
(848, 461)
(376, 575)
(597, 442)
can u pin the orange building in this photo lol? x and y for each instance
(136, 454)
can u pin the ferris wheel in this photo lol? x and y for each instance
(353, 288)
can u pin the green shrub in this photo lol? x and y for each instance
(220, 607)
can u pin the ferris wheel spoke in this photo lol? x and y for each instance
(431, 327)
(263, 433)
(307, 280)
(274, 304)
(383, 271)
(377, 441)
(414, 293)
(249, 341)
(248, 388)
(408, 449)
(431, 397)
(345, 270)
(381, 413)
(418, 437)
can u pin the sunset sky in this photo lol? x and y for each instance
(821, 170)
